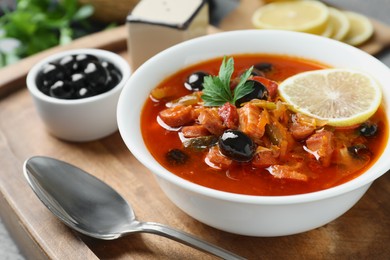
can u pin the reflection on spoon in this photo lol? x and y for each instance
(91, 207)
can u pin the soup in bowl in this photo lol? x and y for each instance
(282, 173)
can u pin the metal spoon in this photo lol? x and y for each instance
(93, 208)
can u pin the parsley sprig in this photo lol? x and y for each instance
(36, 25)
(216, 89)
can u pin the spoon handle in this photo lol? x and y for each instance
(187, 239)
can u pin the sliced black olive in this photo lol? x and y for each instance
(368, 129)
(177, 157)
(236, 145)
(358, 151)
(259, 92)
(62, 89)
(263, 66)
(195, 81)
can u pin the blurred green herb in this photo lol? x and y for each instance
(36, 25)
(216, 89)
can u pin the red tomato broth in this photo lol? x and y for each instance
(242, 178)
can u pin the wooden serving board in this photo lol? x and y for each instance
(363, 232)
(240, 18)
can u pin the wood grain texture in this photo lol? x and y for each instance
(361, 233)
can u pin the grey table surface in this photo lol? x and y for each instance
(377, 9)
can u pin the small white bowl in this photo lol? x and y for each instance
(244, 214)
(83, 119)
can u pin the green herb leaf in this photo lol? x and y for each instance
(65, 35)
(216, 89)
(42, 24)
(243, 86)
(226, 71)
(83, 13)
(214, 93)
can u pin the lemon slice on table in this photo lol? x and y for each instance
(342, 97)
(328, 30)
(303, 16)
(339, 22)
(361, 28)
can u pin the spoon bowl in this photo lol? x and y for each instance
(91, 207)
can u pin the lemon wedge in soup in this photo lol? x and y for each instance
(341, 97)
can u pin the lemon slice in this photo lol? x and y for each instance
(342, 97)
(339, 22)
(361, 28)
(303, 16)
(328, 30)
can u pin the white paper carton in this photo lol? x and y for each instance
(154, 25)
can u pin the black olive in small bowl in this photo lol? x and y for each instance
(75, 76)
(76, 92)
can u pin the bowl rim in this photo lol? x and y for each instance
(359, 182)
(112, 57)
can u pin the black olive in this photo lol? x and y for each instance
(77, 80)
(81, 86)
(259, 92)
(358, 151)
(112, 81)
(78, 76)
(236, 145)
(69, 63)
(177, 157)
(263, 66)
(62, 89)
(82, 60)
(114, 76)
(49, 74)
(368, 129)
(42, 84)
(96, 76)
(108, 65)
(194, 82)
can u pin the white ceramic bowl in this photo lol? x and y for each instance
(243, 214)
(82, 119)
